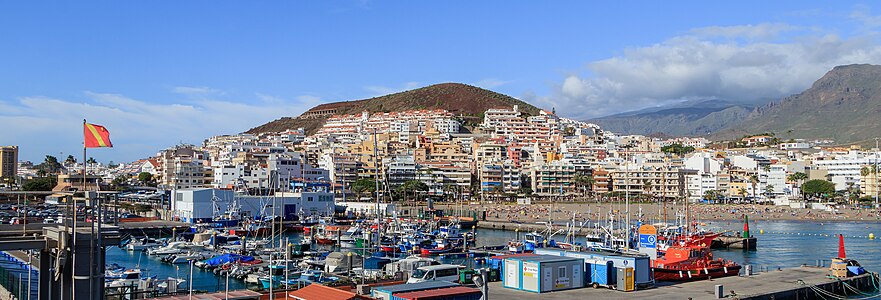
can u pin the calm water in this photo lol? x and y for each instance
(784, 244)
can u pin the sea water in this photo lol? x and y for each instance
(784, 244)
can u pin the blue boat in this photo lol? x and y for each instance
(223, 259)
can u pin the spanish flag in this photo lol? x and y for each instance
(96, 136)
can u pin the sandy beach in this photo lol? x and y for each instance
(654, 212)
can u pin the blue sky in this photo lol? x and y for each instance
(162, 72)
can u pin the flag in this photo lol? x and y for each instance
(96, 136)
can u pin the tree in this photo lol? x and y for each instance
(710, 195)
(91, 160)
(583, 182)
(39, 184)
(146, 178)
(797, 178)
(50, 164)
(818, 187)
(120, 182)
(754, 180)
(70, 160)
(524, 191)
(647, 188)
(414, 186)
(363, 185)
(742, 192)
(677, 148)
(769, 190)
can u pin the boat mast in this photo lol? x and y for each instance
(627, 204)
(376, 184)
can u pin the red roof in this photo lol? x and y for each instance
(438, 293)
(320, 292)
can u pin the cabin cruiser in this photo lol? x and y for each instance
(171, 248)
(143, 244)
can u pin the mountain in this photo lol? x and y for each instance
(460, 99)
(844, 105)
(693, 118)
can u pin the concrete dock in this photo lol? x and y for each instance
(792, 283)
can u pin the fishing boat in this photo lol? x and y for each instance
(689, 263)
(329, 234)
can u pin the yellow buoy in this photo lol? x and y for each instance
(761, 231)
(871, 236)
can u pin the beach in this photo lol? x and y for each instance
(558, 212)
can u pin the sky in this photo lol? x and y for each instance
(159, 73)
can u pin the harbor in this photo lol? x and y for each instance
(778, 273)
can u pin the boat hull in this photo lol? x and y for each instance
(664, 274)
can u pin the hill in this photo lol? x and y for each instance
(844, 105)
(460, 99)
(688, 119)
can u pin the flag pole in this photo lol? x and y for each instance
(73, 234)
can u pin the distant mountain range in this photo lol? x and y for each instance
(844, 105)
(467, 101)
(694, 118)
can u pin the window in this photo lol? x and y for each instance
(562, 272)
(447, 272)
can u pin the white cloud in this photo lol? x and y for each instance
(739, 63)
(377, 90)
(198, 91)
(138, 128)
(758, 31)
(491, 83)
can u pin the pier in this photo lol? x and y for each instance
(794, 283)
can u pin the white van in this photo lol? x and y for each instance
(436, 272)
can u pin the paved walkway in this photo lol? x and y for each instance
(741, 287)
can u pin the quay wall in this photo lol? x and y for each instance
(864, 283)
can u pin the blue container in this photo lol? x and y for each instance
(601, 274)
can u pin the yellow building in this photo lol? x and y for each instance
(8, 161)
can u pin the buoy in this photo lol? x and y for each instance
(871, 236)
(761, 231)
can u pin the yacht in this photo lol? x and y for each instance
(143, 244)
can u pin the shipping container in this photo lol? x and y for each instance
(386, 292)
(453, 293)
(543, 273)
(640, 263)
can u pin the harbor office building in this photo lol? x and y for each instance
(197, 205)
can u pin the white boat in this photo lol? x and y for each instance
(183, 258)
(171, 248)
(142, 244)
(127, 277)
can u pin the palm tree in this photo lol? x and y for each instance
(754, 179)
(742, 193)
(584, 182)
(647, 187)
(797, 178)
(769, 190)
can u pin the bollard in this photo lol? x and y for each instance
(719, 291)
